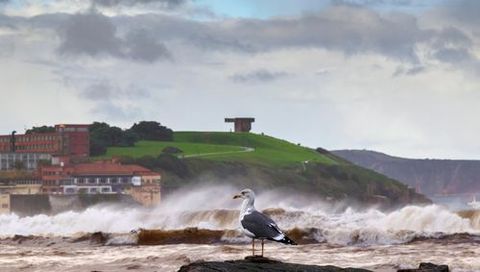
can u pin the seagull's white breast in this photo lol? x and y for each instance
(245, 210)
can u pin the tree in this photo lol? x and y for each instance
(152, 130)
(42, 129)
(97, 148)
(129, 138)
(99, 138)
(98, 125)
(102, 136)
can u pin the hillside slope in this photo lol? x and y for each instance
(270, 163)
(430, 176)
(224, 146)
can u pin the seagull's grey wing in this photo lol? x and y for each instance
(261, 226)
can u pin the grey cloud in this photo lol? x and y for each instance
(105, 96)
(210, 41)
(322, 72)
(261, 75)
(104, 90)
(91, 33)
(140, 45)
(451, 36)
(453, 46)
(7, 47)
(94, 34)
(108, 99)
(373, 2)
(115, 112)
(415, 70)
(463, 11)
(453, 55)
(411, 71)
(8, 22)
(351, 30)
(347, 29)
(165, 3)
(98, 92)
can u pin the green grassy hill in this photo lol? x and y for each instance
(155, 148)
(227, 146)
(259, 161)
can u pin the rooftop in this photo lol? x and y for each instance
(104, 168)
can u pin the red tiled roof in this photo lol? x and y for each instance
(106, 168)
(103, 168)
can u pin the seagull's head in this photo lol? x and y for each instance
(245, 194)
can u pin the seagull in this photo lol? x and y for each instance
(257, 225)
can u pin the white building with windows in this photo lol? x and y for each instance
(97, 178)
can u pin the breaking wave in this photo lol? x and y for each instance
(209, 215)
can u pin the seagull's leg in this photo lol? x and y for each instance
(253, 246)
(262, 247)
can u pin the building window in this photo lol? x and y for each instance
(105, 190)
(93, 190)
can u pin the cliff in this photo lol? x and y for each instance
(429, 176)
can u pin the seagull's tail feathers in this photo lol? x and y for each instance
(287, 241)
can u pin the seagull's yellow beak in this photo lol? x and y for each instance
(237, 196)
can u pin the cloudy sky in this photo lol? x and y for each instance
(397, 76)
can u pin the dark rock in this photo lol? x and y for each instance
(172, 150)
(257, 263)
(98, 238)
(427, 267)
(133, 267)
(186, 236)
(21, 238)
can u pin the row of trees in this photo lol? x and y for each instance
(102, 135)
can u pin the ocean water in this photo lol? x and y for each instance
(201, 224)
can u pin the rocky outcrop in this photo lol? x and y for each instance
(254, 264)
(96, 238)
(257, 264)
(427, 267)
